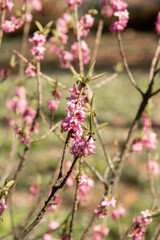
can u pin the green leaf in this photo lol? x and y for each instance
(39, 26)
(97, 76)
(48, 25)
(93, 101)
(13, 61)
(85, 133)
(93, 11)
(9, 184)
(91, 122)
(90, 70)
(100, 126)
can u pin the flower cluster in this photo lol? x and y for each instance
(3, 206)
(52, 226)
(19, 106)
(38, 40)
(117, 213)
(149, 139)
(12, 24)
(71, 3)
(117, 8)
(102, 209)
(100, 232)
(158, 24)
(8, 5)
(152, 167)
(53, 104)
(72, 123)
(85, 51)
(138, 228)
(34, 190)
(30, 71)
(85, 23)
(85, 184)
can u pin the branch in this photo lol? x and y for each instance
(60, 182)
(154, 63)
(126, 63)
(3, 12)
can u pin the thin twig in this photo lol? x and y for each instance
(81, 67)
(47, 133)
(60, 182)
(156, 231)
(26, 61)
(97, 41)
(105, 81)
(2, 20)
(126, 63)
(154, 63)
(39, 89)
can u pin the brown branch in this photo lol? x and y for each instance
(81, 67)
(60, 182)
(97, 41)
(26, 61)
(154, 63)
(126, 63)
(3, 13)
(47, 133)
(39, 89)
(105, 81)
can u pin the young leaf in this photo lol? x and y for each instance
(13, 61)
(93, 101)
(39, 26)
(48, 25)
(100, 126)
(10, 184)
(90, 70)
(97, 76)
(85, 133)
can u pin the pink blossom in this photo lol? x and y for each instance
(119, 5)
(71, 3)
(56, 201)
(20, 92)
(29, 115)
(53, 225)
(29, 17)
(37, 5)
(30, 71)
(38, 40)
(34, 190)
(25, 139)
(100, 232)
(53, 105)
(56, 94)
(149, 140)
(158, 24)
(13, 24)
(47, 236)
(152, 167)
(146, 120)
(117, 213)
(4, 73)
(36, 128)
(102, 209)
(21, 105)
(85, 51)
(138, 228)
(11, 122)
(137, 146)
(3, 206)
(8, 5)
(85, 23)
(146, 213)
(85, 184)
(11, 105)
(107, 10)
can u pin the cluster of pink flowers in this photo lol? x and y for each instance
(8, 5)
(38, 40)
(30, 71)
(84, 25)
(85, 184)
(117, 213)
(102, 209)
(53, 104)
(3, 206)
(71, 3)
(19, 105)
(158, 24)
(100, 232)
(72, 123)
(117, 8)
(138, 228)
(149, 139)
(152, 167)
(85, 51)
(12, 24)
